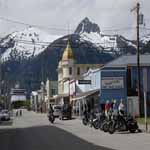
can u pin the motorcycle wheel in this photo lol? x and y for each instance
(132, 130)
(96, 124)
(111, 127)
(52, 119)
(105, 127)
(84, 121)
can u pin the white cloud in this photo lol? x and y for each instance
(109, 14)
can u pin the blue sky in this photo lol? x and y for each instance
(108, 14)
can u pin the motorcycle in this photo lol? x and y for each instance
(106, 121)
(51, 118)
(98, 121)
(120, 123)
(91, 120)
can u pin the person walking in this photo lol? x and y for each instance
(17, 113)
(20, 112)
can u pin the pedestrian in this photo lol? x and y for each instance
(20, 112)
(107, 108)
(121, 108)
(17, 113)
(114, 107)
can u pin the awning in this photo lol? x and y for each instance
(86, 94)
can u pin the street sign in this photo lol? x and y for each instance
(84, 81)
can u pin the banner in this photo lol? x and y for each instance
(112, 83)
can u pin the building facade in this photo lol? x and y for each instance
(69, 70)
(115, 81)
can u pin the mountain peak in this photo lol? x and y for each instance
(87, 26)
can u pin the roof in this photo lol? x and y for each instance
(129, 60)
(68, 53)
(86, 94)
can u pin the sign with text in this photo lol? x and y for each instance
(84, 81)
(112, 83)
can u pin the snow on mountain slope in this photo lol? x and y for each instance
(145, 39)
(30, 42)
(90, 31)
(99, 40)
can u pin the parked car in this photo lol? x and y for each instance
(66, 112)
(4, 115)
(57, 110)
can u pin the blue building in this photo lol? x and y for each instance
(130, 62)
(118, 80)
(113, 85)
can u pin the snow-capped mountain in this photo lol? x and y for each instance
(29, 42)
(89, 44)
(89, 31)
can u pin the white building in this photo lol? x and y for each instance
(18, 94)
(69, 70)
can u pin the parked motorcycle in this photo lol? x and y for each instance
(121, 123)
(98, 121)
(51, 118)
(106, 121)
(91, 119)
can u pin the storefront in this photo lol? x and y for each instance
(113, 85)
(88, 99)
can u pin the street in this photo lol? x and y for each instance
(32, 131)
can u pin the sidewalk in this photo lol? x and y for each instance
(119, 141)
(143, 128)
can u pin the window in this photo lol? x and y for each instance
(78, 71)
(53, 91)
(70, 70)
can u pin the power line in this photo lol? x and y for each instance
(119, 29)
(33, 25)
(60, 29)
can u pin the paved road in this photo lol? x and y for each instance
(33, 132)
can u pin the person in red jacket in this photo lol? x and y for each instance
(107, 107)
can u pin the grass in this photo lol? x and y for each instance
(142, 120)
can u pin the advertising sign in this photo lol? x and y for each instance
(112, 83)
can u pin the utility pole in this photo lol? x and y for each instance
(137, 8)
(138, 55)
